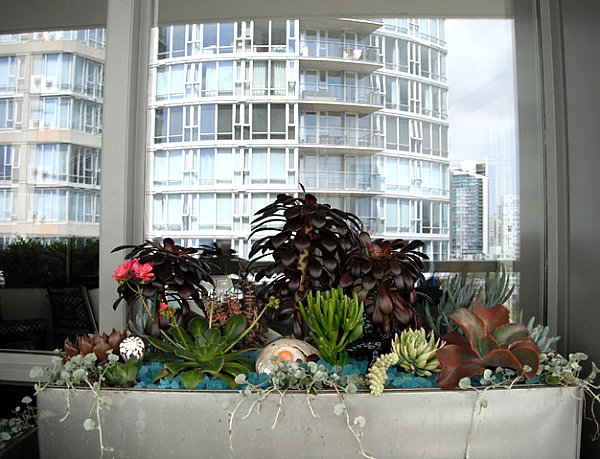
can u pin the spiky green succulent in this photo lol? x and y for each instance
(377, 374)
(415, 353)
(335, 320)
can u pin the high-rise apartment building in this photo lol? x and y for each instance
(355, 110)
(469, 210)
(508, 232)
(51, 86)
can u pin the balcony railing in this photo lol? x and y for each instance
(340, 50)
(341, 93)
(343, 137)
(374, 224)
(336, 180)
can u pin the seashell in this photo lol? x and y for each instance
(295, 350)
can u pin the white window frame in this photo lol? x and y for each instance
(128, 24)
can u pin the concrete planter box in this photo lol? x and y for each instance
(524, 422)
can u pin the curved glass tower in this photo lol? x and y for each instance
(353, 109)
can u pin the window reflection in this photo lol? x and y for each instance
(51, 93)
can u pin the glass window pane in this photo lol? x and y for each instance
(51, 85)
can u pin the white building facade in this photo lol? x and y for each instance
(355, 110)
(51, 92)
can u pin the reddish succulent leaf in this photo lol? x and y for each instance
(84, 345)
(355, 269)
(185, 291)
(280, 238)
(294, 284)
(378, 269)
(365, 265)
(329, 241)
(314, 268)
(384, 303)
(365, 239)
(395, 266)
(471, 324)
(295, 223)
(115, 339)
(288, 258)
(310, 199)
(456, 338)
(292, 212)
(169, 244)
(309, 209)
(368, 282)
(528, 354)
(346, 280)
(511, 333)
(403, 314)
(318, 220)
(486, 345)
(401, 284)
(503, 358)
(492, 317)
(70, 349)
(345, 244)
(457, 363)
(100, 350)
(377, 316)
(329, 263)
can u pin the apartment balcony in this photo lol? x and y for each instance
(364, 99)
(371, 223)
(331, 55)
(342, 181)
(342, 138)
(358, 25)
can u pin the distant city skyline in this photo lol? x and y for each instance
(481, 104)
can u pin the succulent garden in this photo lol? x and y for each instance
(320, 306)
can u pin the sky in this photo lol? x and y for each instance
(481, 100)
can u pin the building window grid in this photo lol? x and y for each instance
(254, 121)
(95, 38)
(269, 78)
(53, 72)
(261, 36)
(192, 123)
(195, 212)
(9, 160)
(432, 30)
(7, 201)
(57, 204)
(67, 113)
(12, 71)
(66, 163)
(11, 114)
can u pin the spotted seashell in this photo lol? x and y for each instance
(291, 349)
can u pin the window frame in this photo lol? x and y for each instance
(128, 28)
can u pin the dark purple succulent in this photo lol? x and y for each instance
(309, 243)
(178, 275)
(386, 272)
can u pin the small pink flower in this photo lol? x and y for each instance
(122, 272)
(143, 271)
(164, 306)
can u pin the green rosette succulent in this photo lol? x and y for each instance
(415, 353)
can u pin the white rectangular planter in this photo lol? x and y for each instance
(523, 422)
